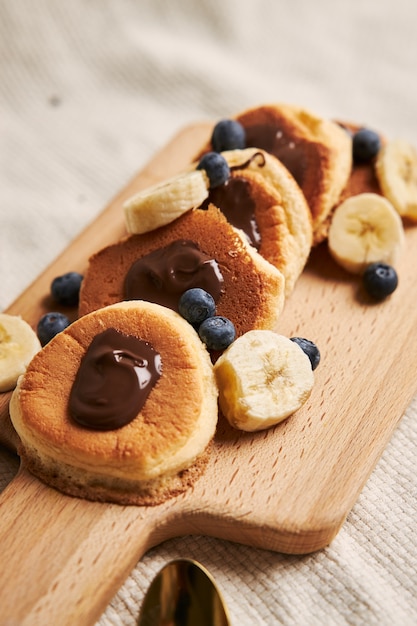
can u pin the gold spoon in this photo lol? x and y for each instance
(183, 593)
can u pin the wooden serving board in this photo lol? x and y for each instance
(287, 489)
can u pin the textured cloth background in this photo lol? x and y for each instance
(89, 90)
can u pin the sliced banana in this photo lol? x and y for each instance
(396, 169)
(18, 345)
(365, 229)
(263, 378)
(162, 203)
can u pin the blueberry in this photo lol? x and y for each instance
(366, 145)
(50, 325)
(228, 135)
(380, 280)
(65, 289)
(310, 348)
(216, 167)
(195, 305)
(217, 332)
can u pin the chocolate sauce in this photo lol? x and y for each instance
(290, 152)
(114, 379)
(164, 274)
(256, 156)
(234, 199)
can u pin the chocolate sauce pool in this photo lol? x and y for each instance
(114, 379)
(234, 200)
(290, 152)
(163, 275)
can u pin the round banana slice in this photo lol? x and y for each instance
(263, 378)
(18, 344)
(365, 229)
(162, 203)
(396, 170)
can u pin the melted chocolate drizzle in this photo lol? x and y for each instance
(234, 200)
(164, 274)
(290, 152)
(114, 379)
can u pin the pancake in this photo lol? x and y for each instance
(363, 177)
(160, 452)
(249, 290)
(263, 199)
(317, 152)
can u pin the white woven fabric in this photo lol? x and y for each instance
(89, 90)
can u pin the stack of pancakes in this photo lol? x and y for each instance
(293, 172)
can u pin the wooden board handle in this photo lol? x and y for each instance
(95, 547)
(86, 537)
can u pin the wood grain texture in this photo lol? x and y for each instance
(287, 489)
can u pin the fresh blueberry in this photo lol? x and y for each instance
(195, 305)
(366, 144)
(50, 325)
(228, 135)
(65, 289)
(216, 167)
(380, 280)
(310, 348)
(217, 332)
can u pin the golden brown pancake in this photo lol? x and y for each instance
(363, 177)
(251, 291)
(261, 184)
(316, 151)
(156, 455)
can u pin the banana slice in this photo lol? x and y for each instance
(365, 229)
(18, 344)
(162, 203)
(262, 378)
(396, 170)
